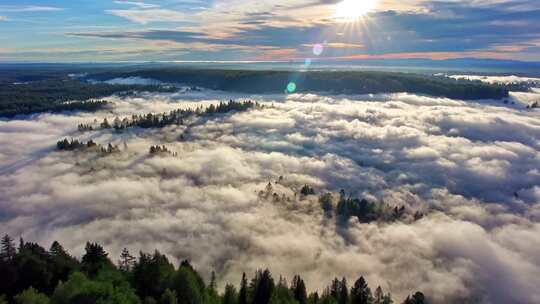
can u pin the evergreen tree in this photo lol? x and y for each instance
(335, 288)
(126, 261)
(230, 296)
(62, 263)
(7, 248)
(360, 292)
(261, 287)
(343, 297)
(33, 264)
(152, 275)
(417, 298)
(243, 294)
(188, 285)
(298, 289)
(313, 298)
(95, 259)
(168, 297)
(31, 296)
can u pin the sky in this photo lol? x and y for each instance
(277, 30)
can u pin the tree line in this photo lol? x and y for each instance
(32, 274)
(337, 82)
(75, 144)
(175, 117)
(60, 93)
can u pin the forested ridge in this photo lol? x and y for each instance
(60, 94)
(32, 274)
(335, 82)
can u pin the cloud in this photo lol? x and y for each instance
(3, 18)
(436, 30)
(137, 4)
(150, 15)
(28, 8)
(469, 166)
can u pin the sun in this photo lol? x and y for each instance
(350, 10)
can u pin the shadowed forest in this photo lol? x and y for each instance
(35, 275)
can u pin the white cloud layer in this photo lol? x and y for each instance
(473, 167)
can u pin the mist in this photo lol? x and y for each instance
(471, 167)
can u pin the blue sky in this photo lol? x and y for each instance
(282, 30)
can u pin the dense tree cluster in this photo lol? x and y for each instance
(345, 206)
(175, 117)
(365, 210)
(75, 144)
(34, 275)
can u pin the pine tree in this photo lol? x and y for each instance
(261, 287)
(242, 295)
(343, 292)
(298, 289)
(360, 292)
(7, 248)
(126, 261)
(95, 259)
(230, 296)
(378, 295)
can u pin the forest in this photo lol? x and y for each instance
(175, 117)
(333, 82)
(36, 91)
(32, 274)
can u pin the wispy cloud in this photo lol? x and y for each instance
(28, 8)
(3, 18)
(137, 4)
(144, 16)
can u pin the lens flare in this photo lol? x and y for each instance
(318, 49)
(291, 87)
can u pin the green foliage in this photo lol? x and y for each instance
(298, 288)
(35, 273)
(230, 296)
(31, 296)
(108, 287)
(261, 287)
(282, 295)
(168, 297)
(188, 285)
(152, 274)
(33, 267)
(95, 259)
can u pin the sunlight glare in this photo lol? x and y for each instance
(350, 10)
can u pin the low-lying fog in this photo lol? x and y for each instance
(472, 167)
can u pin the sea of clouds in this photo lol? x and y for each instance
(472, 167)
